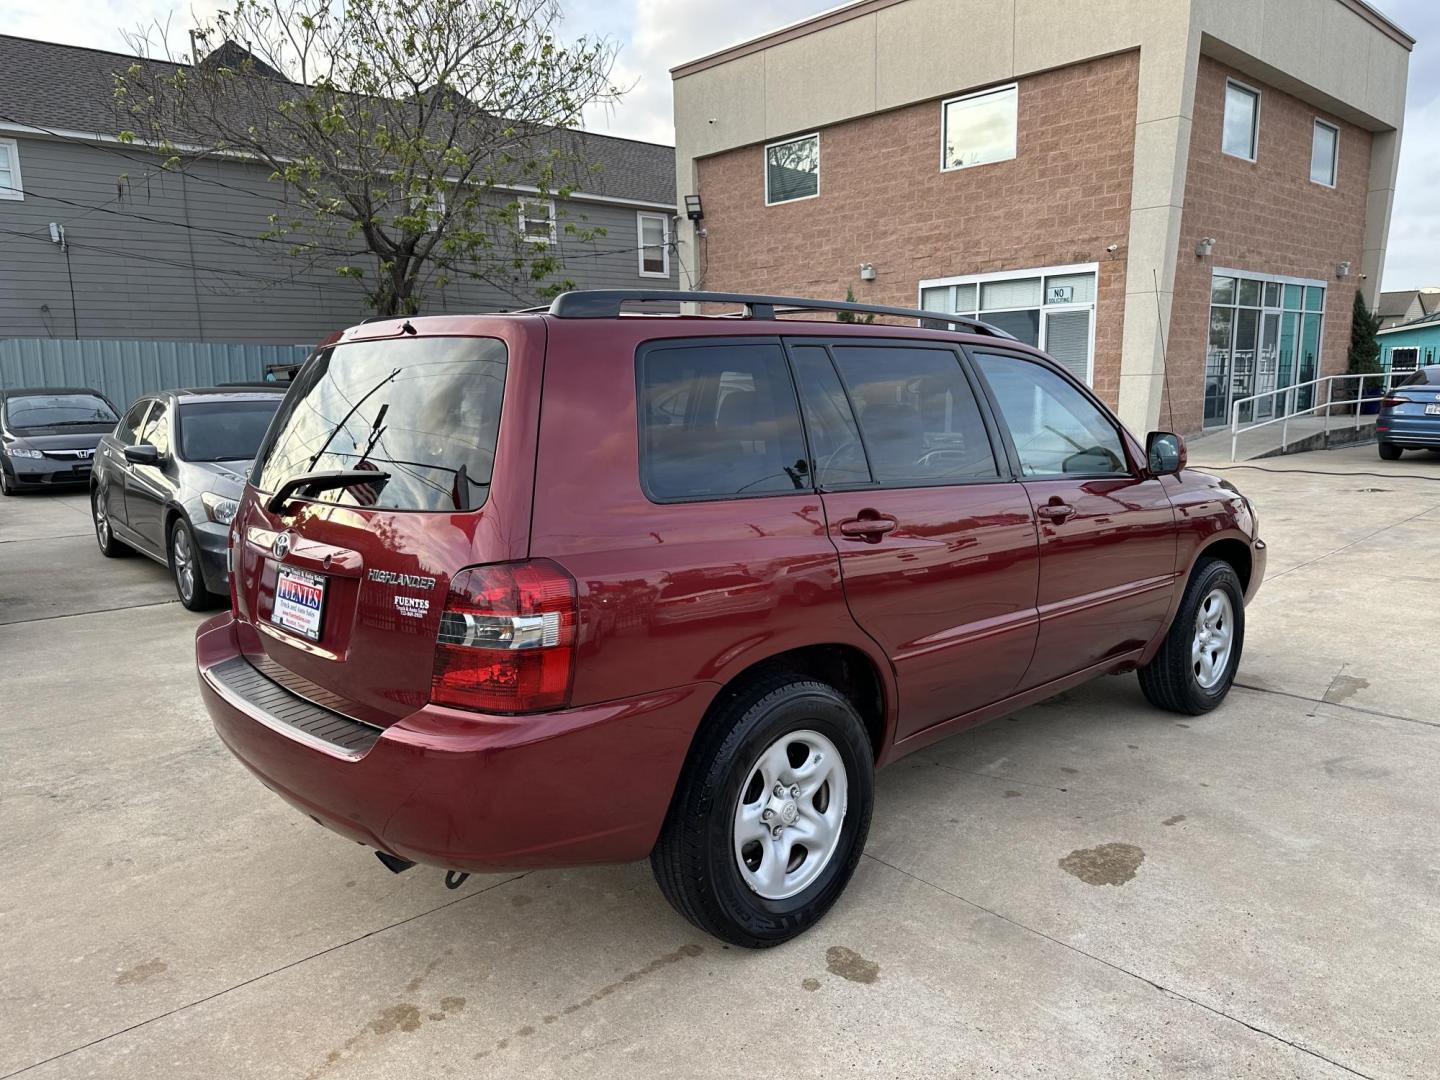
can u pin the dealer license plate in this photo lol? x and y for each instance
(1432, 410)
(299, 602)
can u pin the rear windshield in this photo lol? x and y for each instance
(57, 410)
(224, 430)
(424, 410)
(1425, 376)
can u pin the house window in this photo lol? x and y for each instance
(979, 128)
(537, 220)
(653, 236)
(1242, 121)
(432, 206)
(10, 183)
(1265, 334)
(1052, 309)
(1324, 153)
(792, 170)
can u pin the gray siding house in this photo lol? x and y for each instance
(174, 256)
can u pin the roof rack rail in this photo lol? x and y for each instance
(606, 304)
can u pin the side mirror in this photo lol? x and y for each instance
(1165, 453)
(142, 454)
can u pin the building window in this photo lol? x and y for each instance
(1265, 334)
(979, 128)
(432, 206)
(10, 183)
(1052, 309)
(537, 220)
(1325, 153)
(1404, 358)
(792, 170)
(653, 237)
(1242, 121)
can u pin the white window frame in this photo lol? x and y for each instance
(1254, 123)
(640, 216)
(17, 191)
(1334, 158)
(945, 111)
(765, 165)
(1041, 272)
(525, 218)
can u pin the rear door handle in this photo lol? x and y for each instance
(1055, 512)
(869, 527)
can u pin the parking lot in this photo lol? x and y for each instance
(1089, 888)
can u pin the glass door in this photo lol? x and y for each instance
(1267, 370)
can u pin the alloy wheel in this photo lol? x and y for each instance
(184, 562)
(788, 819)
(102, 520)
(1214, 638)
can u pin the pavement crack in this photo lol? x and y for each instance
(82, 614)
(258, 978)
(1332, 704)
(1126, 971)
(1353, 543)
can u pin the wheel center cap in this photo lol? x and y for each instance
(789, 812)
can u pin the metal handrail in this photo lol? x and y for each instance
(1290, 412)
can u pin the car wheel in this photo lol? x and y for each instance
(771, 812)
(1390, 452)
(104, 535)
(5, 486)
(1196, 664)
(185, 569)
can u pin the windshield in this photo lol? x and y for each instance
(224, 430)
(56, 410)
(426, 411)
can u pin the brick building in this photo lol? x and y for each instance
(1177, 200)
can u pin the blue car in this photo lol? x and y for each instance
(1410, 415)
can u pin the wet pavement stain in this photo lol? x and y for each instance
(521, 900)
(1108, 864)
(452, 1004)
(141, 972)
(849, 964)
(1173, 820)
(1013, 794)
(810, 984)
(1344, 688)
(682, 953)
(403, 1017)
(1342, 767)
(1067, 769)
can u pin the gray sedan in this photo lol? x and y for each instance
(166, 482)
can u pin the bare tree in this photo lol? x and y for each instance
(407, 134)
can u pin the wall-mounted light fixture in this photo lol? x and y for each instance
(693, 210)
(867, 272)
(1343, 270)
(1205, 247)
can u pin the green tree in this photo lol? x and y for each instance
(402, 133)
(1364, 346)
(850, 316)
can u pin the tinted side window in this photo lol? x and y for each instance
(157, 429)
(718, 420)
(918, 415)
(130, 423)
(835, 445)
(1056, 429)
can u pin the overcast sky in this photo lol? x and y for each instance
(655, 35)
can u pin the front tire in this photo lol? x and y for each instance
(6, 488)
(1196, 664)
(185, 569)
(771, 812)
(1390, 452)
(104, 534)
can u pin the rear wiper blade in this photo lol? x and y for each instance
(322, 481)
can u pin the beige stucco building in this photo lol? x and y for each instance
(1118, 180)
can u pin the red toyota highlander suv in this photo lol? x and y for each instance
(544, 589)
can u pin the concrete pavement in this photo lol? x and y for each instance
(1087, 889)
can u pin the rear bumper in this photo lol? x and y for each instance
(1409, 431)
(470, 791)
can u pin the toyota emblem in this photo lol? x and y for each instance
(281, 547)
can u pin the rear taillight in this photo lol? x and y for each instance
(507, 639)
(1389, 401)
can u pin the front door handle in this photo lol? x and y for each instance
(869, 526)
(1055, 512)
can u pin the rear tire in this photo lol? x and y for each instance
(1196, 664)
(706, 862)
(1390, 452)
(185, 569)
